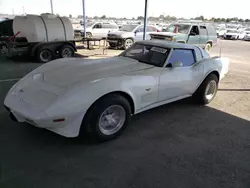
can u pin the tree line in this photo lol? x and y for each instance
(173, 18)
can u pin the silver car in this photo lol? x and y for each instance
(98, 29)
(128, 34)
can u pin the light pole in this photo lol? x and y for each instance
(145, 20)
(84, 18)
(51, 6)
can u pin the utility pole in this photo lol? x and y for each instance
(23, 11)
(51, 6)
(145, 20)
(84, 18)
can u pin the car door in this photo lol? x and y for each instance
(97, 30)
(194, 37)
(203, 36)
(183, 80)
(138, 33)
(151, 29)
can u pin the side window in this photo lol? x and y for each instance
(195, 30)
(113, 26)
(211, 30)
(139, 29)
(198, 52)
(97, 26)
(203, 30)
(186, 56)
(151, 29)
(106, 26)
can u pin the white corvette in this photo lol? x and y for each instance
(100, 96)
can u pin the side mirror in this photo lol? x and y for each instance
(192, 34)
(177, 64)
(135, 32)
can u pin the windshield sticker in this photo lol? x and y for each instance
(160, 50)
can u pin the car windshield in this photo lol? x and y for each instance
(89, 24)
(152, 55)
(179, 28)
(232, 31)
(128, 28)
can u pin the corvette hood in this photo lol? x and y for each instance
(81, 70)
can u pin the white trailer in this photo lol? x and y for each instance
(44, 36)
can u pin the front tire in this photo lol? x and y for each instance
(108, 117)
(128, 43)
(207, 90)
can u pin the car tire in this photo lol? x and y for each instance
(112, 45)
(88, 35)
(108, 117)
(128, 43)
(208, 47)
(66, 51)
(207, 90)
(44, 55)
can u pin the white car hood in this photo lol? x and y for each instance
(81, 70)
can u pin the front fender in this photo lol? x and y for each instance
(79, 98)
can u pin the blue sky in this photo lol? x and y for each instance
(132, 8)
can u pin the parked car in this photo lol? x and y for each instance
(221, 31)
(203, 35)
(129, 34)
(247, 34)
(101, 95)
(232, 34)
(99, 29)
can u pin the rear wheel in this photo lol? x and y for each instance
(128, 43)
(207, 90)
(108, 117)
(208, 47)
(66, 51)
(44, 55)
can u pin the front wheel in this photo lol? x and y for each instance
(108, 117)
(128, 43)
(207, 90)
(112, 45)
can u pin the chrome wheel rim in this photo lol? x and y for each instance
(210, 90)
(128, 43)
(112, 119)
(66, 53)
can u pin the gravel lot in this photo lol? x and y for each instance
(177, 145)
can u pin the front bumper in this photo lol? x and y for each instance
(230, 37)
(20, 111)
(115, 41)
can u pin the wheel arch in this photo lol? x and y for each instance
(127, 96)
(122, 93)
(215, 72)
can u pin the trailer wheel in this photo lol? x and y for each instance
(44, 55)
(67, 51)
